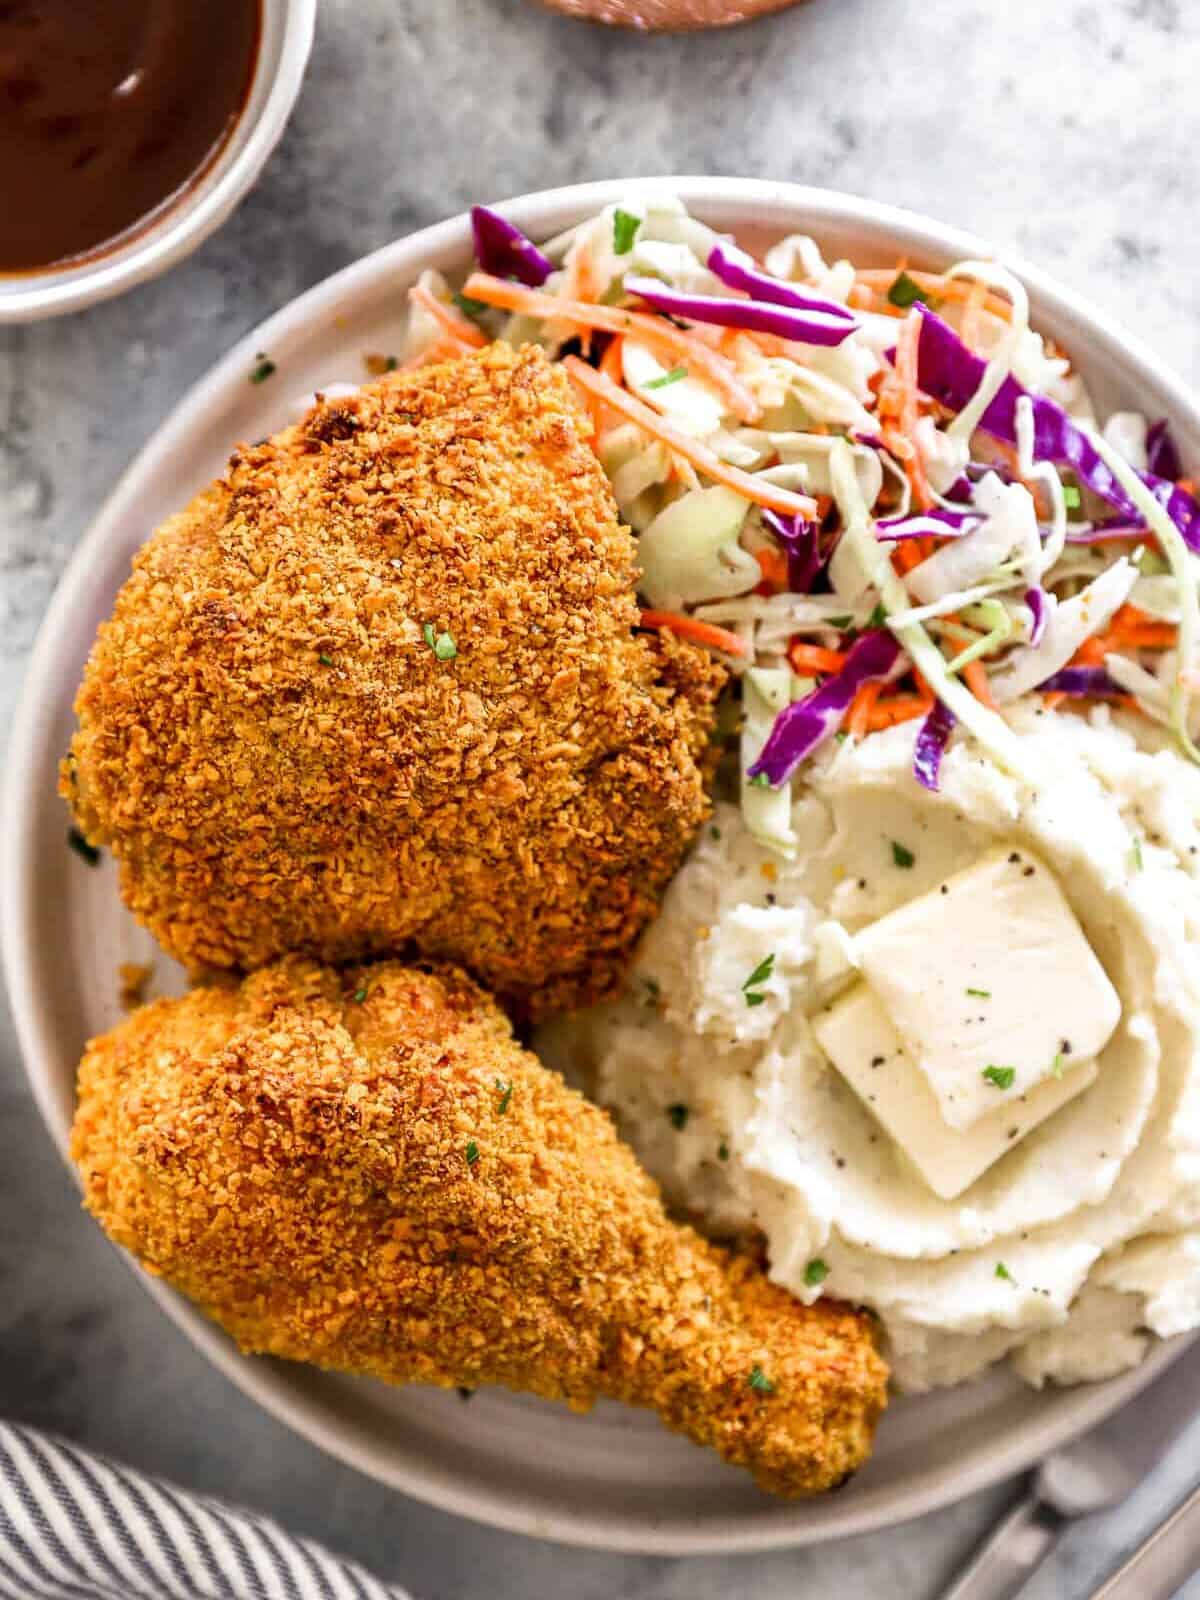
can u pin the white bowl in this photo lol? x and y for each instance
(615, 1479)
(284, 45)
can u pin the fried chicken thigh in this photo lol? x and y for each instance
(366, 1171)
(379, 690)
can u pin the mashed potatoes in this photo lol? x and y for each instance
(1083, 1239)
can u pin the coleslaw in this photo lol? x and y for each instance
(879, 494)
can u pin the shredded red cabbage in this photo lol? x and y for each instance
(1035, 599)
(501, 248)
(801, 541)
(807, 327)
(932, 739)
(1092, 682)
(949, 372)
(927, 524)
(740, 271)
(961, 490)
(1162, 453)
(802, 726)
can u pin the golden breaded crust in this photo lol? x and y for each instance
(279, 759)
(367, 1172)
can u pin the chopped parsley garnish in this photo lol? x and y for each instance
(1000, 1077)
(722, 1151)
(472, 1152)
(325, 660)
(902, 855)
(714, 833)
(816, 1272)
(1003, 1272)
(359, 996)
(653, 991)
(759, 781)
(442, 644)
(264, 369)
(840, 623)
(878, 617)
(1072, 498)
(759, 1381)
(505, 1097)
(390, 363)
(87, 852)
(1058, 1066)
(465, 1393)
(668, 377)
(906, 291)
(678, 1115)
(752, 986)
(1136, 857)
(980, 994)
(468, 307)
(761, 972)
(625, 227)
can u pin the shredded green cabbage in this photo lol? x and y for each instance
(988, 729)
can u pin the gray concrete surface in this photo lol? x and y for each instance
(1068, 131)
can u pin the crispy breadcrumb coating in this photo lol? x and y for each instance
(367, 1172)
(379, 689)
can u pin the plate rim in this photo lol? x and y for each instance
(264, 1382)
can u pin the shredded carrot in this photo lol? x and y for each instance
(899, 708)
(612, 367)
(585, 277)
(445, 349)
(933, 283)
(1130, 629)
(657, 333)
(611, 364)
(774, 568)
(809, 658)
(1090, 653)
(1053, 698)
(455, 324)
(861, 708)
(582, 286)
(702, 458)
(862, 299)
(910, 412)
(1188, 485)
(1128, 616)
(905, 555)
(699, 632)
(975, 674)
(1149, 636)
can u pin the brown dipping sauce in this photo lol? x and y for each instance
(108, 109)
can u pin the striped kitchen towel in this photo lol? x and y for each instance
(76, 1527)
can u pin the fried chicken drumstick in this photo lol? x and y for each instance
(379, 690)
(366, 1171)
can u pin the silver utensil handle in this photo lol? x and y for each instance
(1020, 1544)
(1169, 1557)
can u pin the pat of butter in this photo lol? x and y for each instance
(862, 1044)
(989, 977)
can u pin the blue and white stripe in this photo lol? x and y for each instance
(76, 1527)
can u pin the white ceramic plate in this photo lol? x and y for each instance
(614, 1479)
